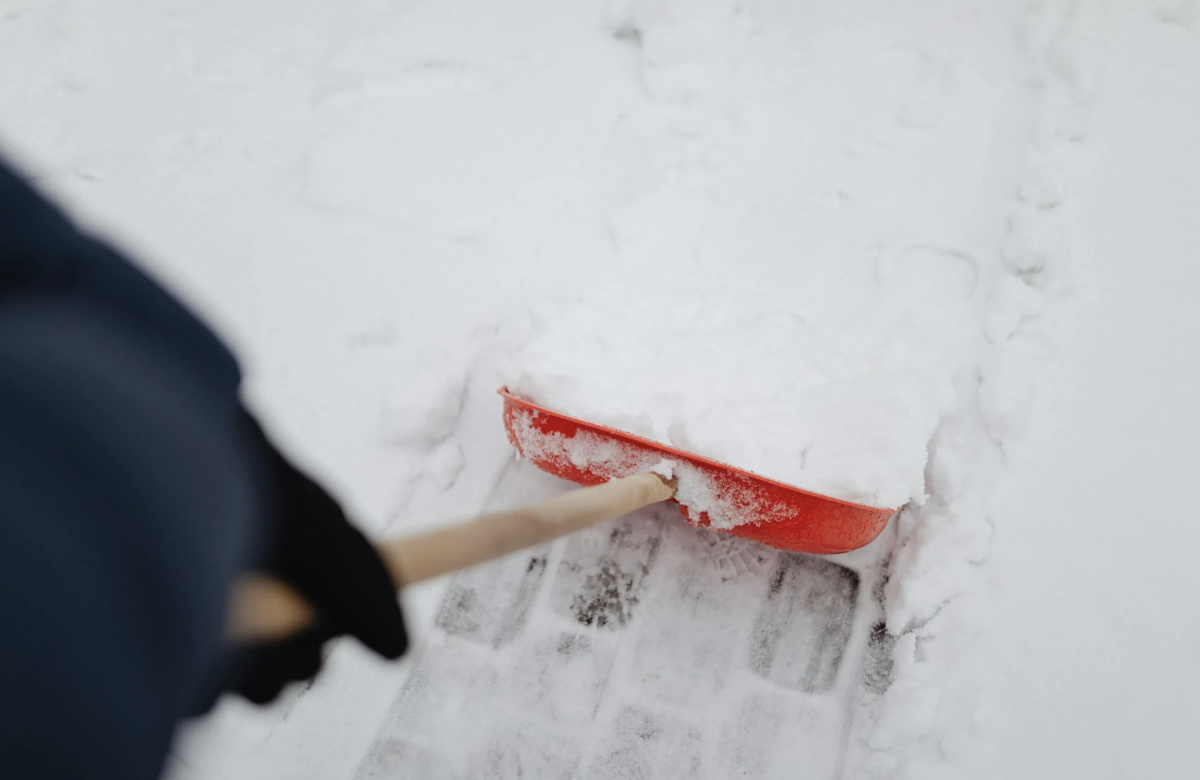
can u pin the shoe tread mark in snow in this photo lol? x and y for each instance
(603, 571)
(877, 673)
(801, 633)
(735, 557)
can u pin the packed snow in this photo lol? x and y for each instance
(936, 255)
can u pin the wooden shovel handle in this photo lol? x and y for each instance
(264, 608)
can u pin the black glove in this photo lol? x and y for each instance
(310, 546)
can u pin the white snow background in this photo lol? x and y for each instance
(942, 252)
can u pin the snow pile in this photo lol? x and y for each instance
(798, 271)
(803, 396)
(937, 708)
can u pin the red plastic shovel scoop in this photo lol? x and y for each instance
(770, 512)
(623, 473)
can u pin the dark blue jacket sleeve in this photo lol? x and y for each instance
(127, 502)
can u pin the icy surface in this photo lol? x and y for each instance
(841, 243)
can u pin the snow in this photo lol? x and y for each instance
(937, 255)
(796, 395)
(1094, 638)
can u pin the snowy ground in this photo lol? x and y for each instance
(962, 230)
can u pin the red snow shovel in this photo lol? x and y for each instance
(780, 515)
(616, 466)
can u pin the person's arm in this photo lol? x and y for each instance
(126, 505)
(133, 487)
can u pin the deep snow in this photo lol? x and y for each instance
(846, 244)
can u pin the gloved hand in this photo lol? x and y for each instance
(310, 546)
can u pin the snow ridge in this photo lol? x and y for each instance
(935, 597)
